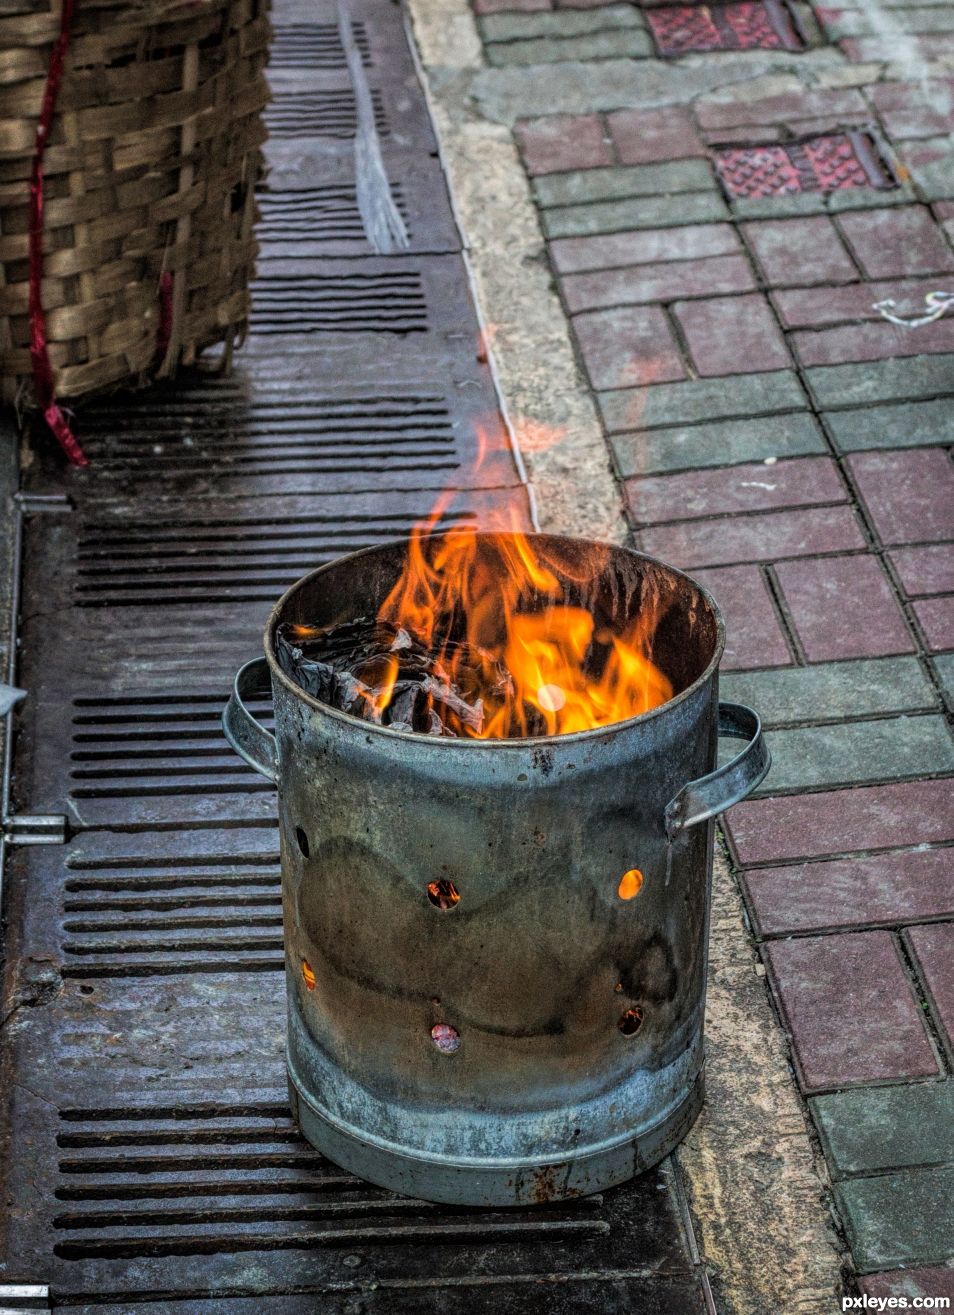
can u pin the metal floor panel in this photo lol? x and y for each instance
(147, 1156)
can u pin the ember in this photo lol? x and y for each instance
(491, 642)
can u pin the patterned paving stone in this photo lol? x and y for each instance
(925, 570)
(904, 424)
(893, 381)
(850, 1010)
(842, 821)
(728, 540)
(754, 637)
(739, 398)
(732, 335)
(731, 25)
(746, 488)
(900, 887)
(933, 948)
(870, 342)
(843, 607)
(873, 1128)
(633, 212)
(936, 617)
(563, 141)
(909, 495)
(648, 246)
(910, 1283)
(904, 1218)
(793, 252)
(830, 163)
(628, 346)
(831, 690)
(642, 136)
(852, 753)
(894, 242)
(648, 283)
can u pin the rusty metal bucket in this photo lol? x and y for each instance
(540, 1038)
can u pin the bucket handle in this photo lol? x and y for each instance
(248, 737)
(729, 784)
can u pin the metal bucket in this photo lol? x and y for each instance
(578, 1014)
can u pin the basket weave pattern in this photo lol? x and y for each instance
(150, 170)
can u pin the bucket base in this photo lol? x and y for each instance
(495, 1183)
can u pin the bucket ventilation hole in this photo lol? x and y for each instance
(631, 1021)
(308, 974)
(445, 1037)
(443, 894)
(302, 839)
(630, 884)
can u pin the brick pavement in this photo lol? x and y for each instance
(719, 261)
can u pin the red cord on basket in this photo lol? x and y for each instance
(42, 369)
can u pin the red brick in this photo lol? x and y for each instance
(645, 136)
(925, 570)
(909, 494)
(645, 283)
(646, 246)
(732, 335)
(871, 342)
(628, 346)
(944, 209)
(934, 948)
(936, 618)
(910, 1283)
(563, 141)
(850, 1009)
(917, 50)
(903, 886)
(842, 821)
(802, 308)
(915, 109)
(755, 487)
(896, 241)
(799, 251)
(753, 635)
(759, 538)
(831, 106)
(843, 607)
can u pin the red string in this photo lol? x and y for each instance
(42, 369)
(164, 328)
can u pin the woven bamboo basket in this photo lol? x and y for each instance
(150, 166)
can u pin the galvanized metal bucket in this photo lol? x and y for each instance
(541, 1037)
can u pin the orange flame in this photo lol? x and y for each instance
(509, 610)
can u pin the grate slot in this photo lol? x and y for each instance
(349, 303)
(317, 214)
(303, 113)
(314, 46)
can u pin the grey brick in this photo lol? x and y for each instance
(832, 689)
(638, 212)
(875, 1128)
(855, 752)
(935, 180)
(721, 443)
(705, 399)
(609, 184)
(553, 50)
(897, 1219)
(882, 381)
(945, 669)
(905, 424)
(563, 23)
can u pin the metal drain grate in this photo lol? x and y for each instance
(350, 303)
(317, 214)
(830, 163)
(737, 25)
(314, 46)
(321, 114)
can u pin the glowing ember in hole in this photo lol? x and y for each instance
(630, 1022)
(443, 894)
(445, 1037)
(550, 698)
(308, 974)
(631, 883)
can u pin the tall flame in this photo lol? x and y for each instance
(521, 616)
